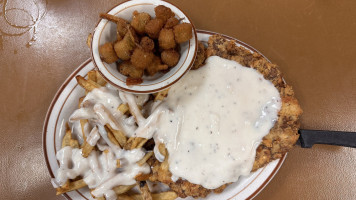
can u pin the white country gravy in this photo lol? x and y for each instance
(211, 123)
(216, 118)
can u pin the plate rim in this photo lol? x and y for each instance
(89, 60)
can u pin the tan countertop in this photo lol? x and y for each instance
(312, 41)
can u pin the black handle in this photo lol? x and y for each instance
(310, 137)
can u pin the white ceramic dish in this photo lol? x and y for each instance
(66, 101)
(106, 32)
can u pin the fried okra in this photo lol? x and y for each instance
(164, 13)
(141, 58)
(166, 39)
(139, 21)
(107, 53)
(170, 57)
(182, 32)
(171, 22)
(121, 27)
(155, 66)
(124, 47)
(127, 69)
(147, 43)
(153, 27)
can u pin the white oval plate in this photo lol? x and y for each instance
(66, 101)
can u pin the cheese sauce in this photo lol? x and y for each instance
(216, 118)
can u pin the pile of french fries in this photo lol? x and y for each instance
(118, 138)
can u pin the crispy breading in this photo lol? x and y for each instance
(200, 58)
(281, 138)
(160, 172)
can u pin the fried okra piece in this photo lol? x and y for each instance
(164, 13)
(147, 43)
(126, 68)
(133, 81)
(107, 53)
(200, 58)
(153, 27)
(124, 47)
(170, 57)
(166, 39)
(141, 58)
(171, 22)
(139, 21)
(156, 66)
(182, 32)
(121, 28)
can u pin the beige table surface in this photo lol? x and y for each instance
(313, 41)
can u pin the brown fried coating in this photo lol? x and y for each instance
(121, 28)
(139, 21)
(123, 50)
(107, 53)
(183, 188)
(147, 43)
(133, 81)
(182, 32)
(153, 27)
(156, 66)
(170, 57)
(127, 69)
(200, 58)
(171, 22)
(163, 13)
(141, 58)
(124, 47)
(166, 39)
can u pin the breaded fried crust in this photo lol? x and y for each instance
(281, 138)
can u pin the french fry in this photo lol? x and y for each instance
(82, 126)
(99, 79)
(121, 189)
(92, 75)
(123, 108)
(141, 142)
(162, 149)
(89, 39)
(86, 149)
(111, 136)
(74, 143)
(87, 84)
(145, 158)
(67, 138)
(135, 142)
(170, 195)
(145, 191)
(119, 135)
(82, 121)
(71, 186)
(161, 95)
(118, 163)
(112, 119)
